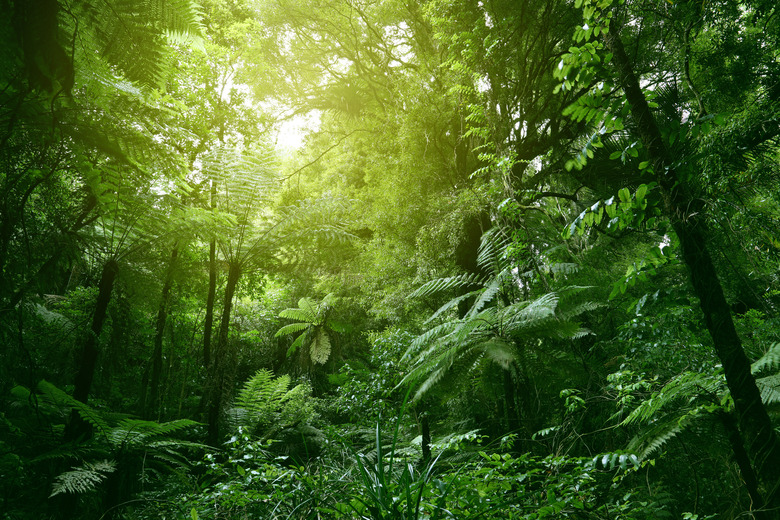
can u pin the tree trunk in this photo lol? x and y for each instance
(686, 215)
(162, 318)
(512, 417)
(90, 353)
(209, 323)
(743, 462)
(219, 362)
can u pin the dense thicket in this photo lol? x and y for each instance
(389, 259)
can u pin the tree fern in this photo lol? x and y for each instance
(691, 397)
(313, 319)
(119, 444)
(135, 36)
(491, 329)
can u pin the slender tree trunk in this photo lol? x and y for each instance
(162, 318)
(743, 462)
(686, 214)
(425, 425)
(90, 352)
(209, 323)
(219, 362)
(512, 417)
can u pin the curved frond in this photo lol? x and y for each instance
(499, 351)
(292, 328)
(302, 315)
(769, 361)
(686, 388)
(446, 284)
(488, 293)
(319, 350)
(89, 414)
(84, 478)
(453, 303)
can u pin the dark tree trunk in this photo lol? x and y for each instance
(425, 425)
(220, 361)
(686, 213)
(209, 323)
(512, 418)
(743, 462)
(162, 318)
(89, 354)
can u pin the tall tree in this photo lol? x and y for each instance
(673, 167)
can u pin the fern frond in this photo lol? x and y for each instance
(686, 388)
(770, 388)
(499, 351)
(428, 336)
(446, 284)
(303, 315)
(769, 361)
(491, 248)
(488, 293)
(319, 350)
(89, 414)
(84, 478)
(451, 304)
(309, 307)
(292, 328)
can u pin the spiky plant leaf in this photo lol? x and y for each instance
(452, 304)
(89, 414)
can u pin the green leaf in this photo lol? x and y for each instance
(194, 514)
(641, 192)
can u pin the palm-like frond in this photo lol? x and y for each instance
(292, 328)
(320, 347)
(768, 362)
(490, 329)
(140, 434)
(687, 389)
(304, 315)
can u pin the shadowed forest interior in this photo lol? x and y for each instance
(389, 259)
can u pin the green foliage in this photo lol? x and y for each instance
(495, 328)
(364, 391)
(84, 478)
(266, 404)
(313, 320)
(122, 451)
(687, 398)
